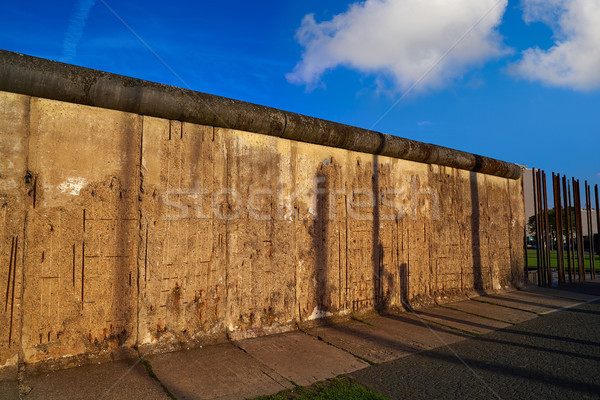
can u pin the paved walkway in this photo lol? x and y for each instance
(557, 356)
(454, 351)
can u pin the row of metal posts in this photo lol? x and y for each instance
(569, 232)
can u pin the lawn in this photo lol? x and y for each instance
(532, 260)
(340, 388)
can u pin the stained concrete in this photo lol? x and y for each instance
(301, 358)
(216, 372)
(149, 233)
(115, 380)
(497, 312)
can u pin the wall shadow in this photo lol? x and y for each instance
(319, 238)
(378, 302)
(404, 289)
(476, 235)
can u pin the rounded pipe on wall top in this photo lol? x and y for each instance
(48, 79)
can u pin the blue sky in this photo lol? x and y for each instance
(485, 96)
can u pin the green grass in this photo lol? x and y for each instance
(150, 371)
(532, 260)
(340, 388)
(359, 319)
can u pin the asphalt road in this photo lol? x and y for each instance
(554, 356)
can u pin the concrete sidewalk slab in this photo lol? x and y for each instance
(9, 390)
(127, 379)
(506, 314)
(301, 358)
(221, 371)
(528, 301)
(590, 287)
(461, 320)
(369, 342)
(561, 292)
(416, 332)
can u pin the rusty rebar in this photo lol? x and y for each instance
(567, 226)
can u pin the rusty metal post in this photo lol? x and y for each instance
(567, 226)
(590, 230)
(572, 221)
(597, 217)
(525, 234)
(541, 235)
(559, 229)
(579, 229)
(547, 226)
(536, 208)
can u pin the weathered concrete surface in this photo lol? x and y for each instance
(15, 183)
(181, 263)
(116, 380)
(460, 320)
(301, 358)
(131, 232)
(38, 77)
(505, 314)
(82, 231)
(216, 372)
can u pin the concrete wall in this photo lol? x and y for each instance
(120, 231)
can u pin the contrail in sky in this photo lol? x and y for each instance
(75, 29)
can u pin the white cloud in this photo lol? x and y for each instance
(75, 29)
(574, 60)
(429, 42)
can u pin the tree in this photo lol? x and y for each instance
(531, 225)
